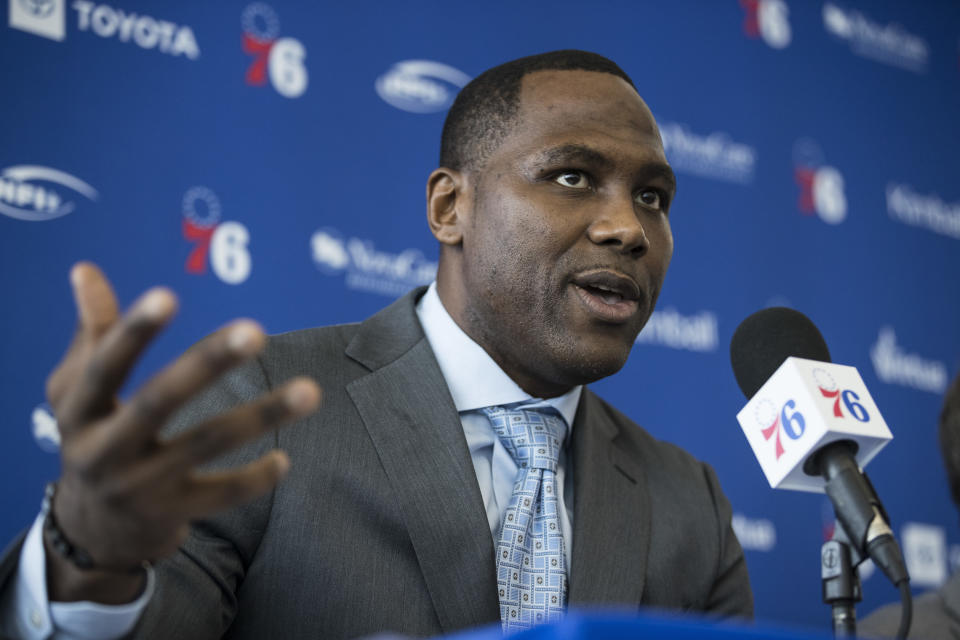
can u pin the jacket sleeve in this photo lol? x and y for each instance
(196, 587)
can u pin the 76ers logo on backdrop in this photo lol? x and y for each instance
(773, 422)
(821, 186)
(224, 242)
(767, 19)
(848, 397)
(279, 59)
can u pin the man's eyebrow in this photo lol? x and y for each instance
(664, 172)
(571, 153)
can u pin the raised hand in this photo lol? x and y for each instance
(125, 495)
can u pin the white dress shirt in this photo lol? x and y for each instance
(475, 382)
(34, 617)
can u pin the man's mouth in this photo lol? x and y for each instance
(608, 295)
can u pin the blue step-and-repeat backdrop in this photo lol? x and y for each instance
(268, 159)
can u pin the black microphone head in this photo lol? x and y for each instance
(768, 337)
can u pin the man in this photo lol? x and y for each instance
(551, 208)
(935, 614)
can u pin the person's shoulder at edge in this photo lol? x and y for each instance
(936, 614)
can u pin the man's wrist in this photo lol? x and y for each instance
(55, 538)
(68, 583)
(72, 575)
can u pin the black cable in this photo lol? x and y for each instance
(906, 608)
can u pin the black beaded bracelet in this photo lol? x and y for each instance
(80, 558)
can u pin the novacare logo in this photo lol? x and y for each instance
(368, 269)
(714, 155)
(27, 192)
(889, 43)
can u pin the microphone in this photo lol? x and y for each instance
(813, 425)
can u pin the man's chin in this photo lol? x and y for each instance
(595, 364)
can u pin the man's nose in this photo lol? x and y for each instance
(618, 226)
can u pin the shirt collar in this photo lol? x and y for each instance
(474, 379)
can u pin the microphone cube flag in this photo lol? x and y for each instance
(805, 405)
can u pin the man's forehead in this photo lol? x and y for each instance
(546, 87)
(564, 111)
(554, 97)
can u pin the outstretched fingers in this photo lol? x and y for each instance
(96, 312)
(138, 421)
(125, 493)
(96, 303)
(226, 431)
(111, 358)
(166, 478)
(209, 493)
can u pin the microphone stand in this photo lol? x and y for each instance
(841, 582)
(860, 515)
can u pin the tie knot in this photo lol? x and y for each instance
(533, 437)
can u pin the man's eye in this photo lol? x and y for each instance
(650, 198)
(572, 179)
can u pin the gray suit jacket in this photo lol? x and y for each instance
(380, 524)
(936, 616)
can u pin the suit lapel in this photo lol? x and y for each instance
(611, 524)
(408, 412)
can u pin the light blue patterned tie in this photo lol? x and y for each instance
(531, 566)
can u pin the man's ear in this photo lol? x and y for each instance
(447, 205)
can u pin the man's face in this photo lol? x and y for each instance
(568, 240)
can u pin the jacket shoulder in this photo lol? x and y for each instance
(308, 343)
(646, 447)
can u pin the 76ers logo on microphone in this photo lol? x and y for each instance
(224, 242)
(849, 398)
(773, 422)
(279, 59)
